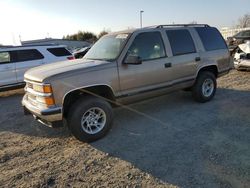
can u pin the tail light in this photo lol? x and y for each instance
(71, 58)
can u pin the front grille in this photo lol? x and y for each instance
(29, 85)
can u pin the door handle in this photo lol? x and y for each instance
(197, 59)
(167, 65)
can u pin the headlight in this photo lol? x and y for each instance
(42, 93)
(42, 88)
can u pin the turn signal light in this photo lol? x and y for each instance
(47, 89)
(49, 101)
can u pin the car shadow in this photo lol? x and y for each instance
(185, 143)
(175, 139)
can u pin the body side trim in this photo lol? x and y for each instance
(155, 89)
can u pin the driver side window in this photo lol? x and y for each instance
(148, 46)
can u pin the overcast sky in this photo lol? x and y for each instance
(35, 19)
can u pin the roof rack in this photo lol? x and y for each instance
(182, 25)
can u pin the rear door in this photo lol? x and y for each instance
(185, 56)
(7, 70)
(26, 59)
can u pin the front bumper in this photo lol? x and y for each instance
(48, 116)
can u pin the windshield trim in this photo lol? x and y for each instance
(120, 52)
(123, 46)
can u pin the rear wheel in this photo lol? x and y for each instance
(205, 86)
(90, 119)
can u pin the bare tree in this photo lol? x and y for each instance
(244, 21)
(193, 22)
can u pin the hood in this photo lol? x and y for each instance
(245, 47)
(39, 74)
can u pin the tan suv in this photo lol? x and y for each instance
(124, 67)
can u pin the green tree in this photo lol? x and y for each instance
(102, 33)
(82, 36)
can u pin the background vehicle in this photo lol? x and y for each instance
(242, 57)
(124, 67)
(81, 52)
(15, 61)
(238, 39)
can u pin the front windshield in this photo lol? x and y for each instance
(107, 48)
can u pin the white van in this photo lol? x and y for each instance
(15, 61)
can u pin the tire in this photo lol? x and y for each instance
(83, 121)
(205, 86)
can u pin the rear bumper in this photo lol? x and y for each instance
(51, 116)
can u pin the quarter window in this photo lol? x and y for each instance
(211, 38)
(59, 52)
(181, 42)
(148, 46)
(4, 57)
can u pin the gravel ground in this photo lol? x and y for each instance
(177, 143)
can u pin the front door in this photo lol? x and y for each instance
(26, 59)
(7, 70)
(155, 69)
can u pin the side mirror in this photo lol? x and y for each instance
(133, 60)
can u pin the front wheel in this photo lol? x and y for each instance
(90, 119)
(205, 86)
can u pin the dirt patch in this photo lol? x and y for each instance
(195, 145)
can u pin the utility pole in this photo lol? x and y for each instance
(20, 39)
(141, 17)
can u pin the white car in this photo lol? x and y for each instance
(242, 57)
(15, 61)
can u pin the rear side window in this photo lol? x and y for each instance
(148, 46)
(59, 52)
(26, 55)
(4, 57)
(181, 42)
(211, 38)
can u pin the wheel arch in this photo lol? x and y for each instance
(211, 68)
(102, 91)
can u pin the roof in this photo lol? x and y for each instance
(30, 46)
(50, 40)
